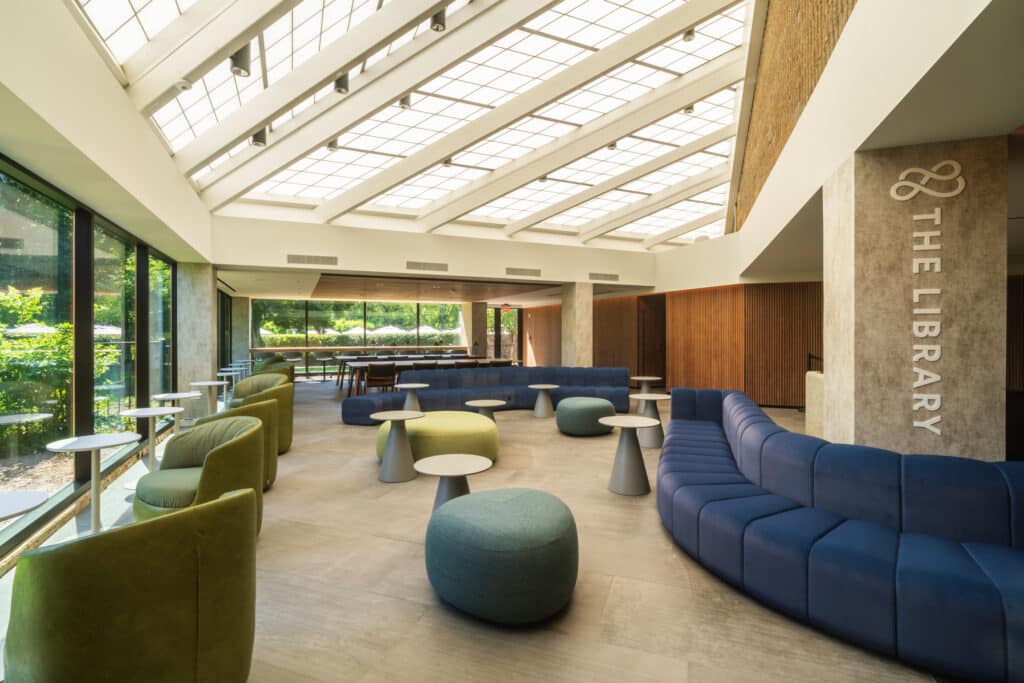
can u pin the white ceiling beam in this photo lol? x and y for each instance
(596, 65)
(685, 228)
(378, 30)
(635, 173)
(656, 202)
(705, 80)
(470, 29)
(203, 38)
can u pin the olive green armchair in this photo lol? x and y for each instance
(266, 412)
(275, 364)
(201, 465)
(263, 388)
(167, 600)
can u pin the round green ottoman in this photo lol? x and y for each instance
(579, 415)
(446, 431)
(509, 556)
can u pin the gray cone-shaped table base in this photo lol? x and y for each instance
(397, 463)
(450, 487)
(651, 437)
(542, 406)
(629, 474)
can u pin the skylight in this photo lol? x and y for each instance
(678, 214)
(126, 26)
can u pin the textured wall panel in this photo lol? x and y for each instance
(798, 40)
(704, 338)
(615, 333)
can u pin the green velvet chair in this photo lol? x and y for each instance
(264, 388)
(266, 412)
(168, 600)
(275, 364)
(203, 464)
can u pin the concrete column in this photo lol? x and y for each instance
(915, 257)
(240, 328)
(197, 329)
(477, 336)
(578, 324)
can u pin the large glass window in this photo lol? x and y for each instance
(278, 323)
(390, 324)
(113, 329)
(441, 325)
(336, 323)
(161, 324)
(36, 341)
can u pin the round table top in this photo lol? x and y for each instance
(629, 421)
(209, 383)
(543, 387)
(230, 372)
(24, 418)
(396, 415)
(15, 503)
(645, 378)
(412, 385)
(93, 442)
(152, 412)
(486, 403)
(177, 396)
(651, 397)
(453, 465)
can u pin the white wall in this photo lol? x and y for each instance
(64, 116)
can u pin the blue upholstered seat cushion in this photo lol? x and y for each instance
(858, 482)
(949, 611)
(722, 527)
(1005, 568)
(688, 501)
(850, 590)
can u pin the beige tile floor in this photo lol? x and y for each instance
(343, 595)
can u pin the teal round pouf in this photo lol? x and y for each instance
(579, 415)
(509, 556)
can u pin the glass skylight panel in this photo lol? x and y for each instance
(676, 173)
(678, 214)
(527, 199)
(599, 23)
(605, 163)
(426, 187)
(215, 96)
(126, 26)
(598, 207)
(711, 39)
(324, 173)
(709, 115)
(711, 231)
(510, 143)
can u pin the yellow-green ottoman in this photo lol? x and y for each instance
(446, 431)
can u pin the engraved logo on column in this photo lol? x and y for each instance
(914, 181)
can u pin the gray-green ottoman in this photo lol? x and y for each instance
(579, 415)
(509, 556)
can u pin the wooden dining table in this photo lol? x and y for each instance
(359, 368)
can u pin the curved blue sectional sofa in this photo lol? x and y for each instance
(451, 388)
(918, 557)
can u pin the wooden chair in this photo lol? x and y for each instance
(424, 364)
(356, 375)
(466, 363)
(501, 363)
(381, 376)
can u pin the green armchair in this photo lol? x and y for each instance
(266, 412)
(168, 600)
(201, 465)
(263, 388)
(275, 364)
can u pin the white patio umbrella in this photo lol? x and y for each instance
(30, 330)
(387, 329)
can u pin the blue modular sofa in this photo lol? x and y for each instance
(450, 389)
(918, 557)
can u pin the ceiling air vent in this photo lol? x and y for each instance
(426, 265)
(605, 277)
(312, 260)
(523, 272)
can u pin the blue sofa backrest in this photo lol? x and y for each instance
(489, 377)
(955, 498)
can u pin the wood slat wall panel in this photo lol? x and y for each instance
(1015, 333)
(782, 324)
(542, 327)
(704, 338)
(615, 333)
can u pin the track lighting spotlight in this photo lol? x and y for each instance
(447, 162)
(613, 145)
(406, 101)
(241, 61)
(259, 138)
(341, 84)
(333, 145)
(543, 178)
(688, 109)
(689, 35)
(437, 22)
